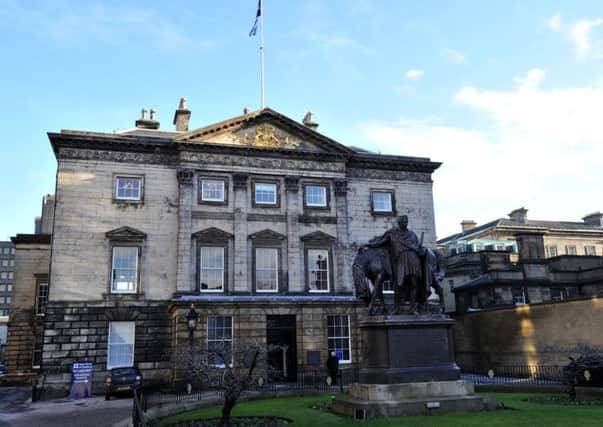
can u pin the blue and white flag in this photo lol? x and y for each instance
(254, 29)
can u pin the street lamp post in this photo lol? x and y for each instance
(191, 322)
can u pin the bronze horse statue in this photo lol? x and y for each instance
(372, 267)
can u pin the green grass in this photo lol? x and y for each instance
(525, 414)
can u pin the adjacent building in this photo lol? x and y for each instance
(254, 220)
(7, 281)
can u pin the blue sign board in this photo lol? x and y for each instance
(81, 380)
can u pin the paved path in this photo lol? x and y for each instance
(16, 410)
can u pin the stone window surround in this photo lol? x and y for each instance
(257, 180)
(128, 175)
(213, 237)
(271, 240)
(327, 187)
(207, 177)
(319, 240)
(393, 200)
(125, 237)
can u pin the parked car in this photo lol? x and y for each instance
(1, 369)
(122, 380)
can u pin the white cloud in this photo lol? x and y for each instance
(581, 35)
(454, 56)
(413, 74)
(554, 22)
(539, 148)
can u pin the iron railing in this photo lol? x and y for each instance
(534, 375)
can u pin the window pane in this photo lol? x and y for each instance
(128, 188)
(318, 270)
(590, 250)
(265, 193)
(266, 269)
(120, 345)
(219, 337)
(382, 202)
(316, 195)
(339, 337)
(212, 190)
(125, 268)
(42, 298)
(211, 268)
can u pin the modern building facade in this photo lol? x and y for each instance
(254, 220)
(7, 281)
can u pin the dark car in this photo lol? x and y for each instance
(1, 369)
(122, 380)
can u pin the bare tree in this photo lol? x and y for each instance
(231, 369)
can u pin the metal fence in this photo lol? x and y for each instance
(533, 375)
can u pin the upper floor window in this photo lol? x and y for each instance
(570, 250)
(41, 298)
(128, 188)
(212, 190)
(590, 250)
(318, 270)
(266, 269)
(4, 275)
(4, 263)
(315, 196)
(265, 194)
(6, 250)
(211, 268)
(551, 251)
(124, 277)
(11, 275)
(382, 202)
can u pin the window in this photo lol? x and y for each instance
(6, 250)
(556, 294)
(318, 270)
(120, 350)
(590, 250)
(12, 251)
(551, 251)
(211, 268)
(11, 263)
(8, 300)
(2, 288)
(41, 298)
(339, 337)
(451, 284)
(388, 287)
(4, 263)
(266, 269)
(4, 275)
(38, 344)
(213, 190)
(265, 194)
(382, 202)
(501, 248)
(11, 275)
(128, 188)
(519, 296)
(9, 288)
(219, 337)
(570, 250)
(315, 196)
(125, 269)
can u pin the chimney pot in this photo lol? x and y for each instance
(468, 224)
(182, 116)
(245, 110)
(309, 122)
(143, 113)
(153, 114)
(144, 123)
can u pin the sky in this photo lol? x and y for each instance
(508, 95)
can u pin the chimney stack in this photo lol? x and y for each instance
(468, 224)
(309, 122)
(595, 219)
(519, 215)
(182, 116)
(144, 123)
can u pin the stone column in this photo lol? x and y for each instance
(240, 282)
(185, 204)
(343, 281)
(294, 255)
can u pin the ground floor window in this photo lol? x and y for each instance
(37, 351)
(219, 337)
(120, 350)
(557, 294)
(519, 296)
(339, 337)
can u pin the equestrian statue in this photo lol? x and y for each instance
(399, 257)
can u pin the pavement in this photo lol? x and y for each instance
(17, 410)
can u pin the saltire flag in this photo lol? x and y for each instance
(254, 29)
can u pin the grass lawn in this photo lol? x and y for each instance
(524, 414)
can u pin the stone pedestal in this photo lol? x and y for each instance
(407, 348)
(408, 368)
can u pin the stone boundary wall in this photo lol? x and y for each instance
(536, 334)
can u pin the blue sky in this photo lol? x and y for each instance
(509, 95)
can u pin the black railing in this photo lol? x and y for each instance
(535, 375)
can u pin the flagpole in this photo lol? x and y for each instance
(262, 49)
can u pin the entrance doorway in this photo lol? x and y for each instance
(281, 331)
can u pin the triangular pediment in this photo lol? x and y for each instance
(126, 233)
(266, 129)
(212, 234)
(317, 236)
(266, 235)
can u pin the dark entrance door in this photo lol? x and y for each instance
(280, 330)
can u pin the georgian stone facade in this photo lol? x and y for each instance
(259, 222)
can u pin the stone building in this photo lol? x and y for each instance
(255, 220)
(7, 281)
(494, 246)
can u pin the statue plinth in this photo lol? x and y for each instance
(407, 348)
